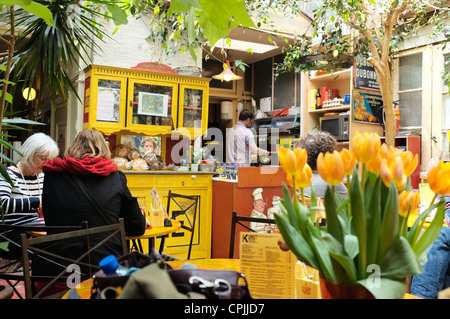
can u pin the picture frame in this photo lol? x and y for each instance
(153, 104)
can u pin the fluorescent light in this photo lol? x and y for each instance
(245, 46)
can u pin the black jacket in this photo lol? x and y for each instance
(64, 204)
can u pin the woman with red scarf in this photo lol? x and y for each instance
(63, 203)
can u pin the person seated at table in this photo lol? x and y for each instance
(89, 160)
(436, 271)
(315, 143)
(22, 200)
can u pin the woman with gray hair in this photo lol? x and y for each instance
(21, 202)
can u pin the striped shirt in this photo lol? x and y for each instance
(239, 139)
(19, 202)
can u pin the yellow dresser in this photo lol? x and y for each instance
(186, 183)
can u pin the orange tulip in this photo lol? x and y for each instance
(398, 174)
(385, 173)
(349, 161)
(303, 179)
(439, 178)
(374, 165)
(366, 146)
(393, 171)
(410, 162)
(408, 202)
(331, 168)
(292, 161)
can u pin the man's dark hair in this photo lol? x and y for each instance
(315, 143)
(246, 114)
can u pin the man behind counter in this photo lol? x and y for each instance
(241, 141)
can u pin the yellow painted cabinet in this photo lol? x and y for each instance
(144, 102)
(140, 185)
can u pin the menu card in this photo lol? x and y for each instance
(268, 265)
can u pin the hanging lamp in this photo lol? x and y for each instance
(227, 75)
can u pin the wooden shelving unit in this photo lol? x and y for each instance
(343, 81)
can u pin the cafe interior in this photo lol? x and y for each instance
(214, 229)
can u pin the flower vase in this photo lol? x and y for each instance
(332, 290)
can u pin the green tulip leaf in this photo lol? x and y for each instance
(400, 261)
(430, 234)
(385, 288)
(351, 245)
(296, 242)
(359, 221)
(389, 231)
(344, 267)
(373, 220)
(333, 224)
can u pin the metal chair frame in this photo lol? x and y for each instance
(195, 205)
(30, 244)
(14, 278)
(235, 219)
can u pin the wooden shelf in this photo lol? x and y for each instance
(339, 75)
(332, 109)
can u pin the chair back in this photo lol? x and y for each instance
(36, 245)
(12, 272)
(187, 206)
(236, 219)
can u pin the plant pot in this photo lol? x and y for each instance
(331, 290)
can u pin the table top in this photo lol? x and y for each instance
(84, 290)
(149, 232)
(158, 231)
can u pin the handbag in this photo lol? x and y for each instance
(157, 279)
(213, 284)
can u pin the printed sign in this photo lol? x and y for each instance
(268, 265)
(365, 75)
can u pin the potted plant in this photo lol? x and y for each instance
(366, 243)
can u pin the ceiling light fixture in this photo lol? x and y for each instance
(227, 74)
(29, 94)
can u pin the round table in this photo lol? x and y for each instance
(152, 233)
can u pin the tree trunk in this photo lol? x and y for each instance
(385, 82)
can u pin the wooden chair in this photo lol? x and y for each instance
(187, 206)
(12, 272)
(40, 246)
(235, 219)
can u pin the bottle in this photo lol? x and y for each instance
(111, 267)
(318, 100)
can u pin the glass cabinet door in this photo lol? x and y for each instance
(104, 103)
(152, 106)
(193, 110)
(108, 100)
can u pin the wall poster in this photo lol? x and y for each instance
(367, 106)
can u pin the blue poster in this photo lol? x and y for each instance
(366, 106)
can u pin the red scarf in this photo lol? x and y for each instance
(87, 165)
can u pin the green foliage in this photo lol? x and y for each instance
(348, 27)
